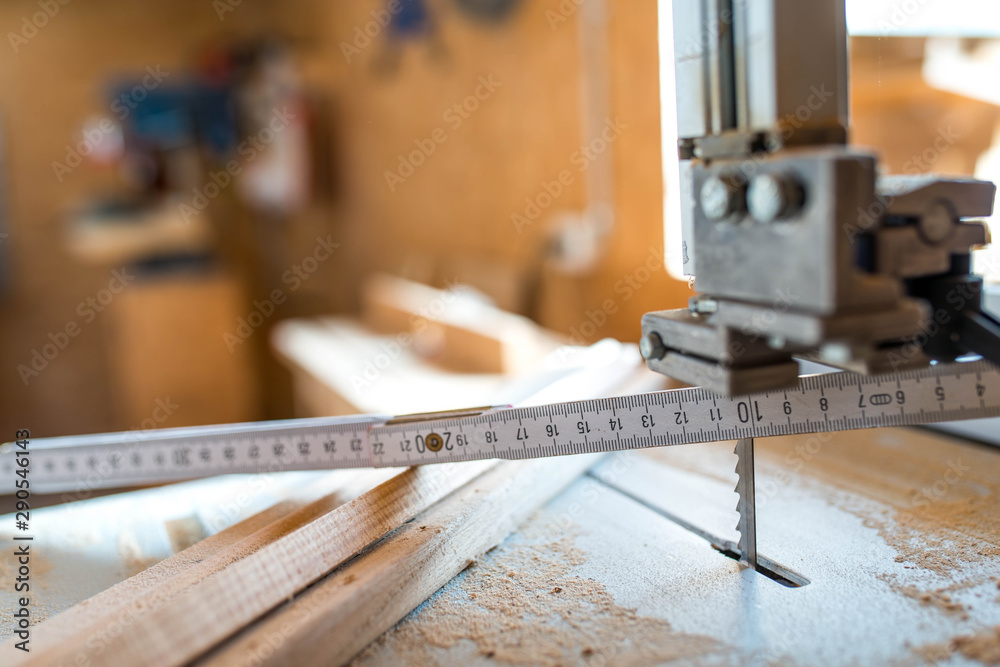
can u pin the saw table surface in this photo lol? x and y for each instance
(897, 531)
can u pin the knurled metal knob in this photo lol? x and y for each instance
(722, 195)
(773, 197)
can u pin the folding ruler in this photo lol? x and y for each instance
(820, 403)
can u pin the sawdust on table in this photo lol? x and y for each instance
(9, 565)
(522, 605)
(944, 494)
(39, 608)
(943, 536)
(939, 598)
(982, 646)
(940, 497)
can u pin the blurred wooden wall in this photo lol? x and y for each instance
(55, 81)
(451, 219)
(913, 127)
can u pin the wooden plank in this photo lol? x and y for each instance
(127, 631)
(185, 626)
(337, 618)
(355, 604)
(140, 593)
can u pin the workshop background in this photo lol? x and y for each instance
(178, 178)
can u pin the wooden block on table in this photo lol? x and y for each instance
(455, 327)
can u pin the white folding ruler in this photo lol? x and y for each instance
(829, 402)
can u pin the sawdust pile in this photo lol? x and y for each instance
(943, 496)
(945, 535)
(983, 647)
(521, 605)
(939, 598)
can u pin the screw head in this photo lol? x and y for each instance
(651, 347)
(702, 305)
(937, 223)
(772, 197)
(721, 196)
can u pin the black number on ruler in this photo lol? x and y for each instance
(278, 448)
(404, 445)
(447, 441)
(378, 448)
(616, 423)
(182, 457)
(551, 430)
(205, 454)
(901, 397)
(583, 427)
(355, 444)
(715, 414)
(522, 433)
(461, 440)
(304, 448)
(939, 393)
(787, 407)
(824, 404)
(747, 412)
(330, 447)
(679, 418)
(647, 421)
(229, 453)
(253, 452)
(491, 437)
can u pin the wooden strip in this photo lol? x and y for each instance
(337, 618)
(201, 616)
(124, 603)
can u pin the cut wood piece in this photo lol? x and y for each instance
(336, 619)
(341, 367)
(139, 594)
(201, 616)
(455, 328)
(391, 304)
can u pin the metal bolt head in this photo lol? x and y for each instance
(772, 197)
(721, 196)
(937, 223)
(651, 347)
(702, 305)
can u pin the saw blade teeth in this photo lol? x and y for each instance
(746, 526)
